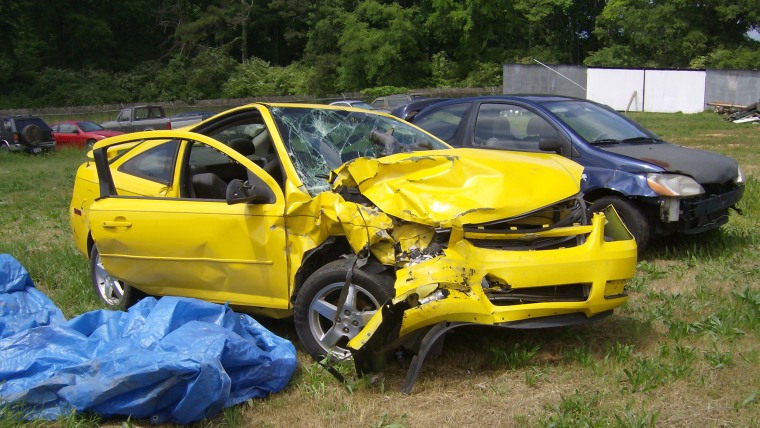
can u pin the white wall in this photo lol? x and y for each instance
(670, 91)
(616, 87)
(665, 91)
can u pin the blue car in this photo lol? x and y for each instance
(657, 188)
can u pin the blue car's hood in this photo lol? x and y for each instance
(705, 167)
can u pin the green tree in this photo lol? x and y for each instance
(322, 52)
(661, 33)
(257, 78)
(379, 46)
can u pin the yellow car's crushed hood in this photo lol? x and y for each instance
(460, 186)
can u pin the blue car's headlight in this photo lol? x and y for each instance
(674, 185)
(739, 176)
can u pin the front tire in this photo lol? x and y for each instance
(111, 291)
(633, 218)
(315, 308)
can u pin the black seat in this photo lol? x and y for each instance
(538, 128)
(244, 146)
(209, 186)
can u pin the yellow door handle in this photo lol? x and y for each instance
(117, 223)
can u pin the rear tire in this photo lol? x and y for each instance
(315, 308)
(113, 292)
(633, 218)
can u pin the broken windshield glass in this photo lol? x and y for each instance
(320, 140)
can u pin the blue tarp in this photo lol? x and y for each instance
(171, 360)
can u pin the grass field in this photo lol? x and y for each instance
(684, 351)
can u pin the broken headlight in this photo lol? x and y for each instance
(739, 176)
(674, 185)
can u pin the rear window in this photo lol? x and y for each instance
(22, 123)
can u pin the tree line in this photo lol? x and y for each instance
(84, 52)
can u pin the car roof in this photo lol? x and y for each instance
(415, 106)
(535, 99)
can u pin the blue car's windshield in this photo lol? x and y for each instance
(598, 125)
(320, 140)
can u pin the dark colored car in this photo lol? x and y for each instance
(352, 103)
(408, 110)
(80, 133)
(25, 133)
(657, 188)
(188, 114)
(390, 102)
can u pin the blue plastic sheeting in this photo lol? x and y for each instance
(171, 360)
(21, 305)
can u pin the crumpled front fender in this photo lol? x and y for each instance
(459, 286)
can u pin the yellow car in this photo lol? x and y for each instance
(330, 214)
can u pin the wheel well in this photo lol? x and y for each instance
(647, 205)
(332, 249)
(595, 194)
(90, 244)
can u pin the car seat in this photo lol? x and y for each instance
(208, 185)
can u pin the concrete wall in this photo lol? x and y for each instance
(740, 87)
(537, 79)
(686, 91)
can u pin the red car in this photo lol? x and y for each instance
(80, 133)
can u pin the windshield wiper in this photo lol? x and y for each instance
(606, 141)
(640, 140)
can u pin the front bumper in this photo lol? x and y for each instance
(699, 215)
(474, 285)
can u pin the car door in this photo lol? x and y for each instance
(66, 134)
(512, 126)
(195, 244)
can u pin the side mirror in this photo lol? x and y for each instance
(552, 144)
(239, 191)
(76, 131)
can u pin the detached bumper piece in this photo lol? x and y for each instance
(473, 283)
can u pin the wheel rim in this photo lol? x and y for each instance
(111, 290)
(333, 336)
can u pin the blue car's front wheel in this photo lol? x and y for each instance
(633, 217)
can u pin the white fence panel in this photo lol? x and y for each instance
(670, 91)
(618, 88)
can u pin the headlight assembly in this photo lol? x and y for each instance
(739, 176)
(674, 185)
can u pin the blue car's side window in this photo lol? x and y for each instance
(511, 127)
(443, 123)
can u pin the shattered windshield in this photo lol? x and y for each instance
(320, 140)
(598, 125)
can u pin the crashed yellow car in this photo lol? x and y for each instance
(366, 229)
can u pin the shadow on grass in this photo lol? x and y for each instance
(472, 349)
(711, 245)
